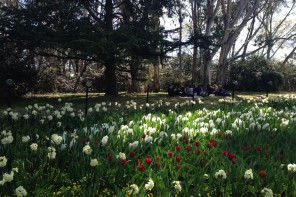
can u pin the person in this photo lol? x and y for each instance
(189, 91)
(221, 91)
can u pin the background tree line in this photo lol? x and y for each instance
(122, 45)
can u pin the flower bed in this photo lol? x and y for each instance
(234, 149)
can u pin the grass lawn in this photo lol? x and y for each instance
(78, 99)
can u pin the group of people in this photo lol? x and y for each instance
(197, 90)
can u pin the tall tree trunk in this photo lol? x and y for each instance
(110, 79)
(156, 78)
(207, 60)
(195, 69)
(110, 70)
(135, 86)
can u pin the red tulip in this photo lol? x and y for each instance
(189, 148)
(258, 148)
(178, 148)
(110, 157)
(141, 167)
(170, 153)
(156, 158)
(84, 141)
(178, 159)
(178, 166)
(123, 161)
(196, 143)
(230, 156)
(247, 147)
(132, 153)
(197, 152)
(262, 173)
(148, 160)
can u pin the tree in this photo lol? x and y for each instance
(111, 33)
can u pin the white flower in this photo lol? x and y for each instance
(8, 177)
(87, 150)
(56, 139)
(291, 167)
(3, 161)
(149, 186)
(134, 145)
(59, 124)
(104, 140)
(177, 186)
(94, 162)
(34, 146)
(220, 174)
(248, 174)
(179, 136)
(59, 100)
(25, 139)
(148, 139)
(267, 192)
(121, 156)
(7, 140)
(135, 188)
(228, 132)
(2, 182)
(51, 153)
(20, 191)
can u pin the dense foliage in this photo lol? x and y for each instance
(240, 149)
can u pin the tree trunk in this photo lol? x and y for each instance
(135, 87)
(110, 79)
(156, 79)
(207, 68)
(195, 70)
(110, 71)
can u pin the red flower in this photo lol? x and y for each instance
(233, 160)
(178, 166)
(212, 143)
(83, 140)
(148, 160)
(258, 148)
(110, 157)
(132, 153)
(170, 153)
(230, 156)
(281, 157)
(141, 167)
(156, 158)
(189, 148)
(157, 165)
(123, 161)
(178, 148)
(143, 136)
(196, 143)
(96, 143)
(247, 147)
(187, 141)
(262, 173)
(225, 152)
(205, 153)
(178, 159)
(197, 152)
(185, 138)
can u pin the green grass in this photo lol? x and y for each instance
(78, 99)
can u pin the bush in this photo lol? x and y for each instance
(253, 74)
